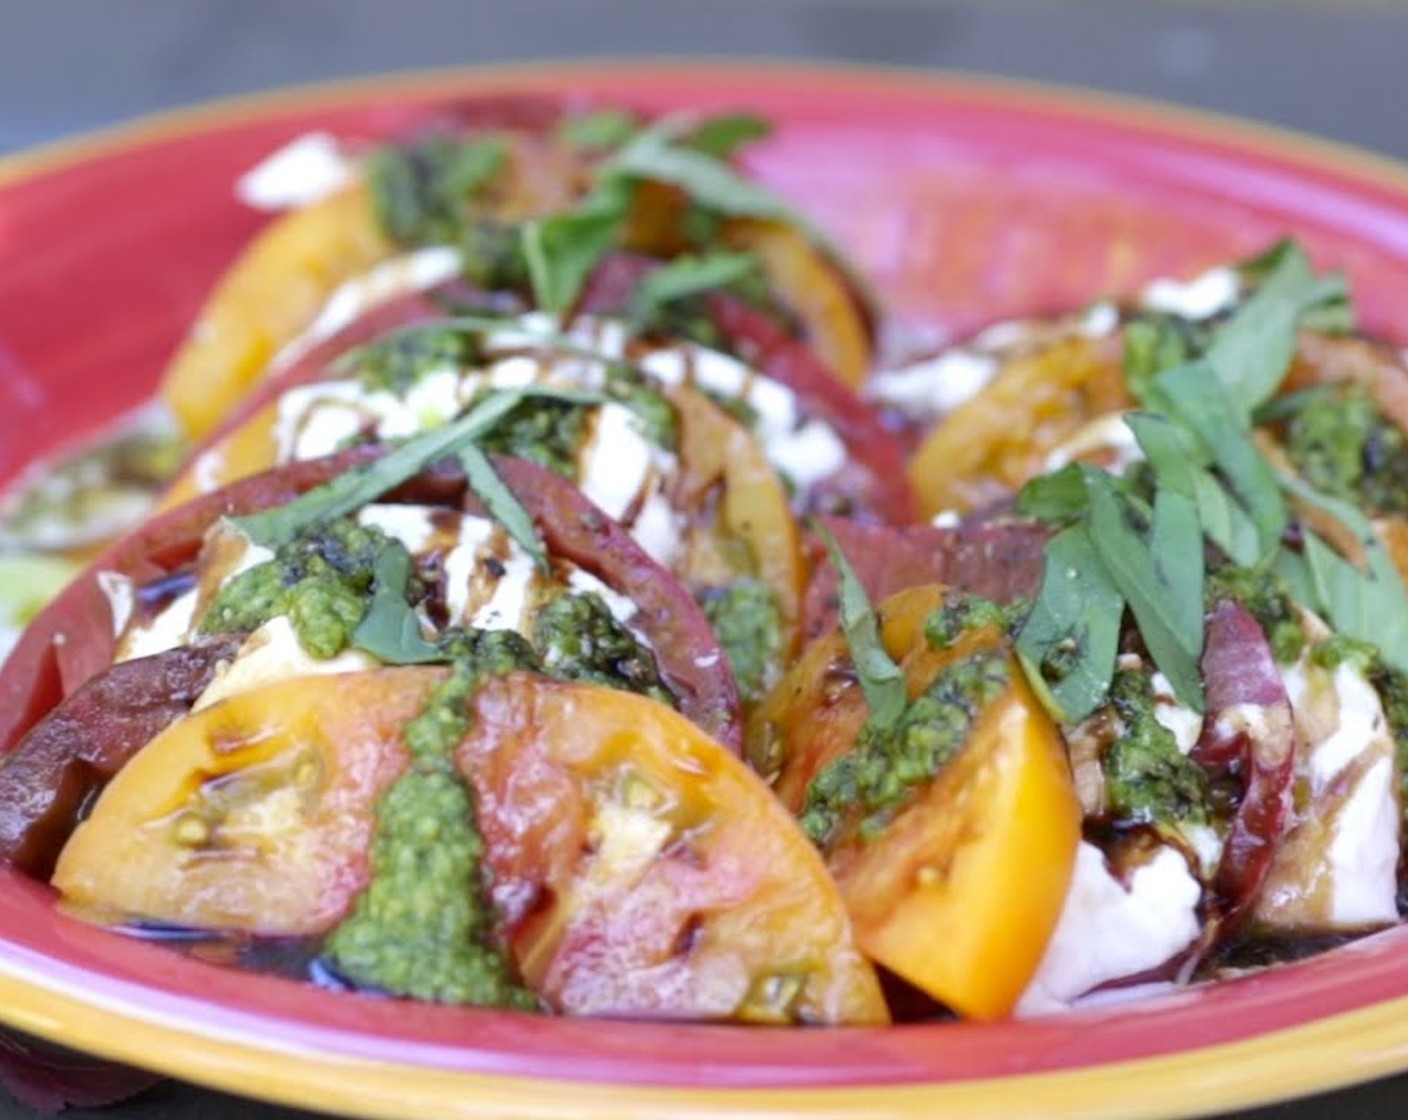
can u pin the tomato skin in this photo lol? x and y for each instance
(688, 651)
(72, 640)
(961, 890)
(873, 484)
(253, 814)
(636, 866)
(56, 769)
(1000, 560)
(643, 871)
(1241, 675)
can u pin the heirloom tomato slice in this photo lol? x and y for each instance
(960, 887)
(635, 865)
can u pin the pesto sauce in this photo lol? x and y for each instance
(1342, 445)
(322, 580)
(962, 612)
(493, 255)
(396, 362)
(888, 764)
(581, 640)
(747, 618)
(1147, 778)
(549, 433)
(425, 926)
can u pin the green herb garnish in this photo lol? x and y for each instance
(880, 678)
(501, 502)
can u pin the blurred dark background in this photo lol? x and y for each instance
(1333, 67)
(1336, 68)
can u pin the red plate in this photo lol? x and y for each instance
(965, 201)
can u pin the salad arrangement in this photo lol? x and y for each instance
(563, 607)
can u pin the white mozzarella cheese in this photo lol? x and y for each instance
(170, 628)
(273, 653)
(936, 385)
(1108, 931)
(302, 172)
(1107, 436)
(1175, 716)
(1337, 868)
(1200, 298)
(413, 526)
(383, 282)
(121, 596)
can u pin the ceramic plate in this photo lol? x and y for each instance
(965, 200)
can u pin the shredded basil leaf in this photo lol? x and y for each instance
(365, 483)
(563, 249)
(880, 678)
(689, 275)
(1069, 640)
(501, 502)
(600, 130)
(1251, 351)
(1370, 604)
(390, 630)
(1194, 396)
(721, 136)
(1057, 497)
(1159, 572)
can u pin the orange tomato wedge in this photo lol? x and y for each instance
(252, 814)
(265, 299)
(961, 890)
(987, 447)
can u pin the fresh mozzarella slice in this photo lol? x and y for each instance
(302, 172)
(1111, 930)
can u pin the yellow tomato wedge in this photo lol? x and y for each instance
(637, 867)
(987, 447)
(810, 286)
(252, 814)
(963, 890)
(280, 282)
(750, 530)
(267, 297)
(960, 890)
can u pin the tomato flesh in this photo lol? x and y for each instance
(637, 867)
(961, 889)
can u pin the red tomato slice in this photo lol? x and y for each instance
(73, 640)
(637, 867)
(1000, 560)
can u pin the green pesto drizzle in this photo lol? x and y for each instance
(888, 764)
(425, 926)
(397, 361)
(747, 618)
(322, 579)
(581, 640)
(1342, 445)
(1147, 778)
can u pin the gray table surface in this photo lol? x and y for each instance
(1334, 68)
